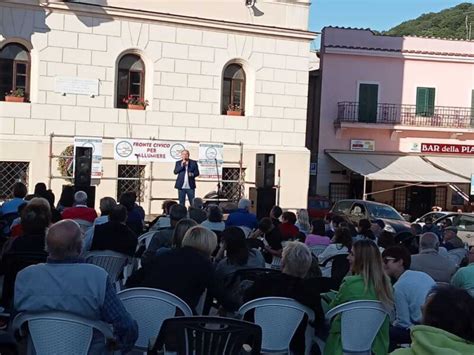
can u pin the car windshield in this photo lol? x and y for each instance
(381, 211)
(342, 207)
(318, 204)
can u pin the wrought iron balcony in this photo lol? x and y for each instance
(408, 115)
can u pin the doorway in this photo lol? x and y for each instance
(421, 200)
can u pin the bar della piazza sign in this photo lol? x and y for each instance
(447, 148)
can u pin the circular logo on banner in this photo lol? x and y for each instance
(124, 149)
(211, 153)
(175, 150)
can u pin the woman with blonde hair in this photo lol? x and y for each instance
(368, 282)
(302, 222)
(186, 271)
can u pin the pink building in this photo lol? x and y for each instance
(396, 120)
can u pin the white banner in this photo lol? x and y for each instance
(211, 158)
(96, 145)
(144, 150)
(363, 145)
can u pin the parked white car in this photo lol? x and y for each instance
(434, 216)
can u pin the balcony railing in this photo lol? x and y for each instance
(397, 114)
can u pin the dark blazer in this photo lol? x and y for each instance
(184, 272)
(114, 236)
(193, 172)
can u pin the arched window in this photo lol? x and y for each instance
(14, 69)
(233, 90)
(131, 78)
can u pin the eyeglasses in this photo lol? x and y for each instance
(387, 259)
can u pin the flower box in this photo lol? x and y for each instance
(14, 98)
(135, 107)
(234, 112)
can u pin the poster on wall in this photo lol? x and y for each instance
(147, 150)
(211, 159)
(362, 145)
(96, 145)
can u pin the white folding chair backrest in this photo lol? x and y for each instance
(317, 249)
(85, 225)
(279, 318)
(110, 261)
(201, 303)
(60, 332)
(150, 307)
(246, 230)
(276, 263)
(357, 339)
(146, 238)
(471, 291)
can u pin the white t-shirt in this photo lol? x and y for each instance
(186, 178)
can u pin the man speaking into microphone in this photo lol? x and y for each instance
(187, 171)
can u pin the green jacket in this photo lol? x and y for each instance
(430, 341)
(353, 289)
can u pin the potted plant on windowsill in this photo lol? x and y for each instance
(234, 110)
(17, 95)
(136, 103)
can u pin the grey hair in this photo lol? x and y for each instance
(429, 240)
(80, 197)
(244, 204)
(296, 259)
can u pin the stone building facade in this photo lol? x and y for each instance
(183, 60)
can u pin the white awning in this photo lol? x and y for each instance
(456, 165)
(393, 167)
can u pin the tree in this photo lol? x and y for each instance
(449, 23)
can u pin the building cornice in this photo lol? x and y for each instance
(401, 54)
(121, 13)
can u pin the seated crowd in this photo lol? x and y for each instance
(425, 282)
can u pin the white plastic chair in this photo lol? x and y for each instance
(84, 225)
(150, 307)
(357, 339)
(276, 263)
(53, 333)
(146, 238)
(201, 303)
(279, 318)
(317, 249)
(109, 260)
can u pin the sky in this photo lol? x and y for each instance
(374, 14)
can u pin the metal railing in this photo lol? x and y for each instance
(408, 115)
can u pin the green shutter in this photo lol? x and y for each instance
(425, 101)
(431, 101)
(368, 101)
(421, 99)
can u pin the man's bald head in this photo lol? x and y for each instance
(64, 240)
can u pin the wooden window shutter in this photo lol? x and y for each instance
(425, 99)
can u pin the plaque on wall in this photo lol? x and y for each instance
(75, 85)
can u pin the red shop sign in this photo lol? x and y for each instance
(447, 148)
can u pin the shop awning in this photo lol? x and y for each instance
(393, 167)
(456, 165)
